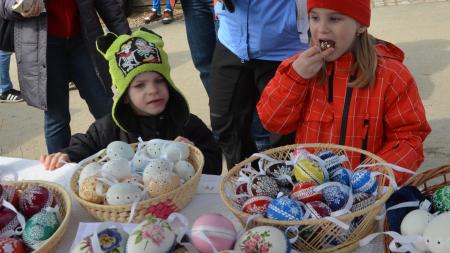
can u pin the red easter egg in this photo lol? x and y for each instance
(9, 224)
(34, 199)
(256, 204)
(11, 245)
(241, 194)
(10, 194)
(318, 209)
(304, 192)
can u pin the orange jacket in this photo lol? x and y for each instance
(387, 119)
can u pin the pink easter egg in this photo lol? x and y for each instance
(217, 229)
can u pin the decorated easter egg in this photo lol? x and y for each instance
(154, 167)
(10, 194)
(39, 228)
(91, 169)
(241, 194)
(184, 169)
(262, 185)
(335, 197)
(362, 200)
(414, 223)
(284, 208)
(318, 209)
(110, 240)
(136, 180)
(93, 190)
(281, 172)
(437, 235)
(263, 239)
(151, 235)
(215, 229)
(306, 170)
(9, 223)
(34, 199)
(139, 162)
(175, 151)
(364, 181)
(304, 192)
(118, 168)
(256, 204)
(163, 183)
(441, 199)
(331, 161)
(12, 245)
(341, 175)
(155, 146)
(122, 194)
(119, 150)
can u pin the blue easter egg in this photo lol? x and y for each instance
(364, 181)
(284, 208)
(335, 197)
(331, 160)
(342, 175)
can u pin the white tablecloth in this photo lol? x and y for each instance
(206, 200)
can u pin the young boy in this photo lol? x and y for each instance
(146, 104)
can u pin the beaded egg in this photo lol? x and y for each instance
(216, 229)
(441, 199)
(306, 170)
(364, 181)
(335, 197)
(281, 172)
(93, 190)
(318, 209)
(9, 223)
(110, 240)
(263, 239)
(414, 223)
(119, 149)
(256, 204)
(175, 151)
(151, 235)
(362, 200)
(332, 161)
(241, 194)
(154, 147)
(122, 194)
(304, 192)
(184, 169)
(39, 228)
(437, 235)
(12, 245)
(284, 208)
(10, 194)
(118, 168)
(91, 169)
(34, 199)
(154, 167)
(262, 185)
(341, 175)
(163, 182)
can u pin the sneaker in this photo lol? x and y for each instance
(154, 15)
(167, 17)
(11, 96)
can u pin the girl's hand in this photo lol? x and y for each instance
(34, 11)
(309, 62)
(54, 161)
(184, 140)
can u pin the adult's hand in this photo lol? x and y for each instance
(309, 62)
(54, 161)
(34, 11)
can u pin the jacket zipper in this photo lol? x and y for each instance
(348, 99)
(330, 85)
(366, 136)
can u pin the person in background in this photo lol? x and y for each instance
(155, 13)
(7, 93)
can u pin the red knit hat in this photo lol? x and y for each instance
(357, 9)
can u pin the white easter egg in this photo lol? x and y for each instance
(91, 169)
(175, 151)
(119, 149)
(118, 168)
(437, 234)
(154, 167)
(139, 162)
(184, 169)
(122, 194)
(163, 183)
(154, 147)
(414, 223)
(152, 235)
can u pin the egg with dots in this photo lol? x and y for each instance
(123, 193)
(213, 229)
(162, 183)
(119, 150)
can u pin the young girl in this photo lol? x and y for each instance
(348, 88)
(146, 104)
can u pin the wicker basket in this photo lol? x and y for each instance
(167, 203)
(318, 235)
(65, 209)
(427, 182)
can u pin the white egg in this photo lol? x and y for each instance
(437, 234)
(175, 151)
(119, 149)
(118, 168)
(154, 147)
(414, 223)
(139, 162)
(91, 169)
(184, 169)
(123, 193)
(155, 166)
(152, 235)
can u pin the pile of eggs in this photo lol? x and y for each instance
(314, 185)
(28, 217)
(124, 176)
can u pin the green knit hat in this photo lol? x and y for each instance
(131, 55)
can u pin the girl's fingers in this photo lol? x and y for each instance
(327, 52)
(311, 51)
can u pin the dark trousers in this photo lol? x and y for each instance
(235, 88)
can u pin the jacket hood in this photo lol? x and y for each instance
(386, 49)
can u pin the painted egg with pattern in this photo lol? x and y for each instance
(284, 209)
(241, 194)
(118, 168)
(39, 228)
(93, 190)
(281, 172)
(364, 181)
(215, 228)
(304, 192)
(155, 146)
(139, 162)
(12, 245)
(332, 161)
(362, 200)
(414, 223)
(91, 169)
(34, 199)
(342, 175)
(256, 204)
(184, 170)
(318, 209)
(155, 167)
(441, 199)
(262, 185)
(151, 235)
(163, 183)
(111, 240)
(335, 197)
(122, 194)
(10, 194)
(9, 223)
(306, 170)
(175, 151)
(136, 180)
(263, 239)
(437, 235)
(119, 150)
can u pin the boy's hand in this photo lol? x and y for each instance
(184, 140)
(34, 11)
(54, 161)
(309, 62)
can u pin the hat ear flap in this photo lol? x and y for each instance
(104, 42)
(150, 31)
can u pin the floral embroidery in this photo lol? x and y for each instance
(109, 239)
(256, 243)
(152, 230)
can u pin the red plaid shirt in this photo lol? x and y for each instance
(390, 116)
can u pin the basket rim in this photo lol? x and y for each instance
(57, 236)
(380, 201)
(75, 176)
